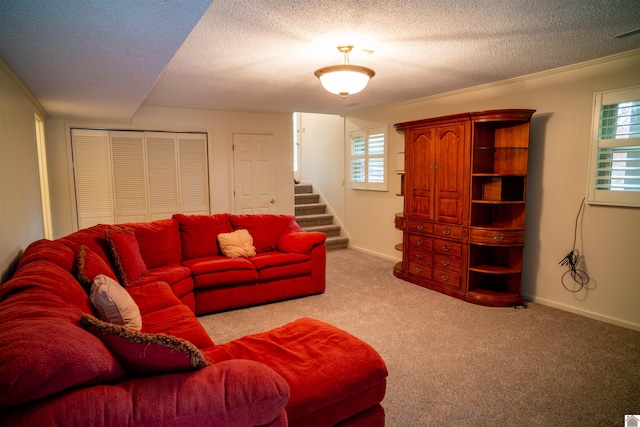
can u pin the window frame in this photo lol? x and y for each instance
(367, 159)
(597, 195)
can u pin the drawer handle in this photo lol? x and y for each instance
(445, 278)
(445, 262)
(420, 242)
(498, 238)
(446, 248)
(420, 256)
(446, 231)
(419, 270)
(420, 227)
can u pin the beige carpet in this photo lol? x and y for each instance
(453, 363)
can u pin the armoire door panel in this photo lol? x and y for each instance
(450, 150)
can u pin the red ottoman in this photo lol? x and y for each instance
(334, 377)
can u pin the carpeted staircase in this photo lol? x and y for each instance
(312, 215)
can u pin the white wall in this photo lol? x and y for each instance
(20, 203)
(220, 126)
(608, 237)
(322, 158)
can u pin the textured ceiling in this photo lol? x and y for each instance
(87, 60)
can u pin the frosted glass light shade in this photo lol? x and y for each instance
(344, 79)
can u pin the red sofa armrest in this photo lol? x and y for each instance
(230, 393)
(300, 241)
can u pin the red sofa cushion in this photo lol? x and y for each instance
(145, 353)
(198, 234)
(265, 229)
(163, 297)
(273, 259)
(221, 271)
(278, 265)
(217, 264)
(50, 250)
(126, 254)
(159, 241)
(170, 273)
(93, 237)
(178, 321)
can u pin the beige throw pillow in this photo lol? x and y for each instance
(114, 304)
(237, 244)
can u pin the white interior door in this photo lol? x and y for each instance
(254, 174)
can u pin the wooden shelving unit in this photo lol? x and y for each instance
(464, 208)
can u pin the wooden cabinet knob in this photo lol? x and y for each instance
(446, 248)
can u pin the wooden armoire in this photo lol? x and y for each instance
(464, 204)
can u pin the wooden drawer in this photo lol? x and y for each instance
(421, 227)
(420, 256)
(448, 231)
(446, 277)
(496, 237)
(447, 262)
(400, 222)
(420, 242)
(419, 270)
(447, 247)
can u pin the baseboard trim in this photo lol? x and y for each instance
(586, 313)
(378, 254)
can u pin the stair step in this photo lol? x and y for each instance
(310, 209)
(305, 221)
(332, 230)
(302, 188)
(311, 216)
(337, 242)
(303, 199)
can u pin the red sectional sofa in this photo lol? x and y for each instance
(60, 364)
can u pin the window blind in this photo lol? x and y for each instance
(615, 148)
(368, 163)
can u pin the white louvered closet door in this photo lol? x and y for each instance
(193, 173)
(92, 175)
(162, 167)
(129, 176)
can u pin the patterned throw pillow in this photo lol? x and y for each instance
(114, 304)
(89, 265)
(126, 254)
(145, 353)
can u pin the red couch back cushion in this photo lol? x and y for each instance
(265, 229)
(199, 233)
(93, 237)
(159, 241)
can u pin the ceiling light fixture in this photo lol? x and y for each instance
(344, 79)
